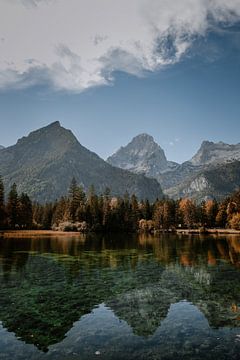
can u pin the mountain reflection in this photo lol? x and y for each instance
(49, 283)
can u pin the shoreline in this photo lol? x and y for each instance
(208, 231)
(52, 233)
(35, 233)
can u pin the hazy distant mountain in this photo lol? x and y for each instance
(43, 164)
(1, 147)
(142, 155)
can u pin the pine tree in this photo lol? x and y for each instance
(72, 197)
(77, 199)
(47, 216)
(12, 207)
(25, 212)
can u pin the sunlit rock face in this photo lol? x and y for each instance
(212, 181)
(142, 155)
(194, 178)
(220, 152)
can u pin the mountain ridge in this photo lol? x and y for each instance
(188, 178)
(44, 162)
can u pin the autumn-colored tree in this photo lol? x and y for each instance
(187, 208)
(232, 208)
(235, 221)
(221, 217)
(164, 214)
(211, 210)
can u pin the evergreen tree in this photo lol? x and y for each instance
(48, 216)
(73, 199)
(12, 207)
(25, 212)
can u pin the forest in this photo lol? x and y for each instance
(89, 212)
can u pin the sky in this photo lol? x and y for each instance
(109, 70)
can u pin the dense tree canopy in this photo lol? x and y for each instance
(91, 212)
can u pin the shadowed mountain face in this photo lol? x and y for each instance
(193, 178)
(43, 164)
(49, 284)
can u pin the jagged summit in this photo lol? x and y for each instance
(141, 155)
(211, 152)
(143, 137)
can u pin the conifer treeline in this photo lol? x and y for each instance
(91, 212)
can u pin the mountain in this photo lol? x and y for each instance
(211, 182)
(210, 153)
(43, 164)
(142, 156)
(195, 178)
(1, 147)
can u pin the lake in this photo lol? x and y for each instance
(120, 297)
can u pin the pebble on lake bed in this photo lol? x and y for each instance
(97, 353)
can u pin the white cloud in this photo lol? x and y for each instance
(76, 44)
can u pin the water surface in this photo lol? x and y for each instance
(120, 297)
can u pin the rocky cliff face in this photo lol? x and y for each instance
(212, 153)
(43, 164)
(142, 155)
(217, 182)
(212, 172)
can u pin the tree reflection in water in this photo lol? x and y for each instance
(47, 284)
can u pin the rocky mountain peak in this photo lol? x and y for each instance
(141, 155)
(49, 138)
(144, 137)
(43, 164)
(210, 153)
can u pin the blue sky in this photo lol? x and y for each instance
(179, 99)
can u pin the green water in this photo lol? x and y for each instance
(120, 297)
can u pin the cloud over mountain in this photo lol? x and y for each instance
(77, 44)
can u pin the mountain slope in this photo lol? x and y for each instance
(188, 179)
(142, 155)
(1, 147)
(213, 182)
(43, 164)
